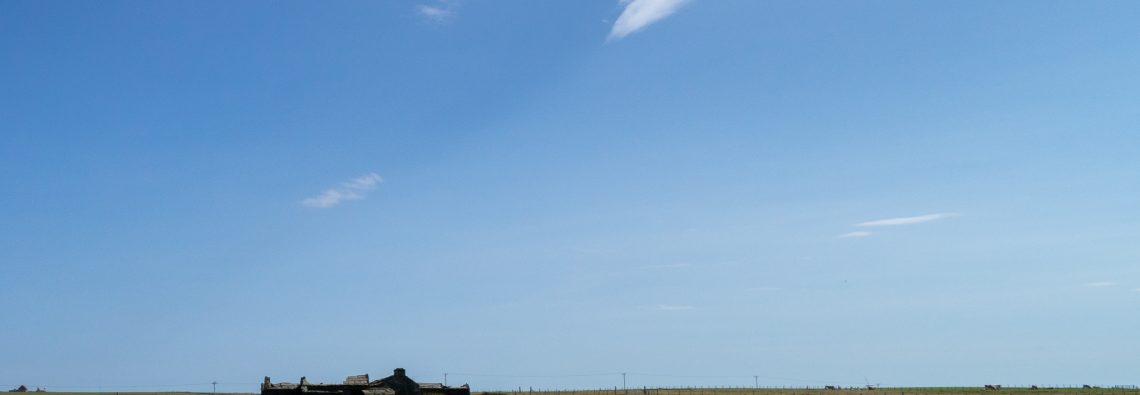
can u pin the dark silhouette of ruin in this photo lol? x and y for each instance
(397, 384)
(20, 389)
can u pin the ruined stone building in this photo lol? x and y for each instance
(397, 384)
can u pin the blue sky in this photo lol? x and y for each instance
(545, 194)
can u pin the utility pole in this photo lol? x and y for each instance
(756, 381)
(623, 381)
(215, 387)
(444, 379)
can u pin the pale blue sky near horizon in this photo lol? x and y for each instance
(546, 194)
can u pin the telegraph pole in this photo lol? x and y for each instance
(623, 382)
(445, 379)
(756, 381)
(215, 387)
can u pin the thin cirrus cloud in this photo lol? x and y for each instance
(918, 219)
(859, 233)
(440, 11)
(638, 14)
(354, 189)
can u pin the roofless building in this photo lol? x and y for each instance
(397, 384)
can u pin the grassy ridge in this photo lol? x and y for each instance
(123, 392)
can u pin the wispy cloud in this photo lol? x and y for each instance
(438, 11)
(354, 189)
(670, 307)
(641, 13)
(907, 220)
(666, 266)
(858, 233)
(1099, 284)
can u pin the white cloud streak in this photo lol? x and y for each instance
(860, 233)
(671, 307)
(666, 266)
(441, 11)
(355, 189)
(907, 220)
(641, 13)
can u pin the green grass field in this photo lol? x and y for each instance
(851, 391)
(122, 393)
(739, 391)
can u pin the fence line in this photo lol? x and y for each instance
(1066, 389)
